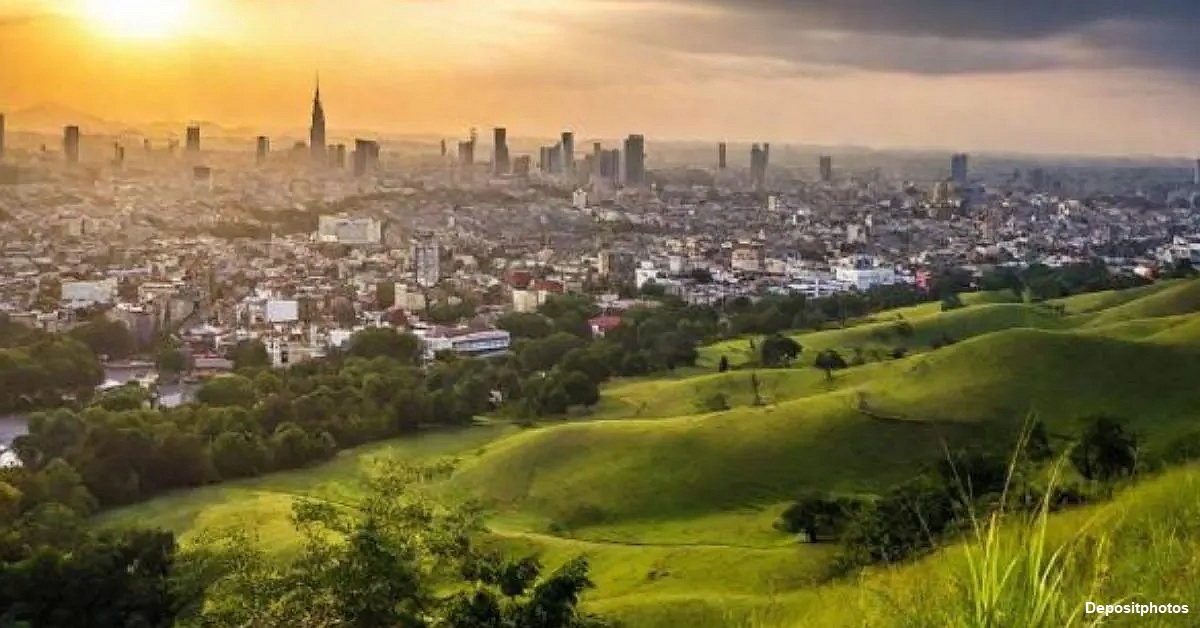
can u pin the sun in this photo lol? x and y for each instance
(142, 19)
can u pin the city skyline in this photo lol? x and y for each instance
(883, 79)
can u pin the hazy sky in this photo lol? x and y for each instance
(1104, 76)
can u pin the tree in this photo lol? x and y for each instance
(580, 389)
(228, 390)
(829, 361)
(723, 365)
(385, 295)
(120, 579)
(525, 325)
(385, 342)
(237, 455)
(778, 350)
(1105, 451)
(952, 302)
(249, 354)
(716, 402)
(382, 564)
(106, 338)
(818, 516)
(172, 362)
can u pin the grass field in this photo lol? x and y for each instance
(675, 506)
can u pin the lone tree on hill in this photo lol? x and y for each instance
(829, 361)
(1105, 451)
(723, 365)
(778, 350)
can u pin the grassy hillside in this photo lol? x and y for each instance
(1178, 298)
(674, 506)
(929, 325)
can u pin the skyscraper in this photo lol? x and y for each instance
(71, 144)
(610, 165)
(568, 151)
(521, 166)
(721, 163)
(1195, 173)
(958, 168)
(316, 132)
(758, 165)
(443, 148)
(339, 156)
(262, 148)
(193, 139)
(366, 156)
(635, 160)
(500, 163)
(826, 168)
(1, 136)
(466, 153)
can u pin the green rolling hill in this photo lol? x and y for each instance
(674, 505)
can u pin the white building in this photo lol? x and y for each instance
(85, 293)
(579, 199)
(477, 343)
(346, 230)
(426, 263)
(282, 311)
(863, 274)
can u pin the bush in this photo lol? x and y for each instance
(716, 402)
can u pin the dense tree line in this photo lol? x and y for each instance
(47, 372)
(1039, 282)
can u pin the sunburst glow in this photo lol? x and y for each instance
(142, 19)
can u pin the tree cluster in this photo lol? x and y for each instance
(914, 516)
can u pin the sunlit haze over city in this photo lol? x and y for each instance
(1109, 76)
(599, 313)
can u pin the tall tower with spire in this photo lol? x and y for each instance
(316, 132)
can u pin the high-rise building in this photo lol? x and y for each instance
(118, 154)
(1037, 179)
(721, 149)
(1195, 173)
(610, 165)
(1, 136)
(366, 156)
(466, 153)
(500, 161)
(759, 158)
(635, 160)
(826, 168)
(568, 151)
(521, 166)
(71, 144)
(958, 168)
(262, 149)
(426, 261)
(193, 139)
(316, 132)
(339, 156)
(443, 148)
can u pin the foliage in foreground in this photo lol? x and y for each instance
(398, 559)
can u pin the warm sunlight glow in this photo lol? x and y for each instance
(144, 19)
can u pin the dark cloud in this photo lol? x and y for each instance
(922, 36)
(966, 19)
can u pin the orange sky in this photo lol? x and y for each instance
(538, 66)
